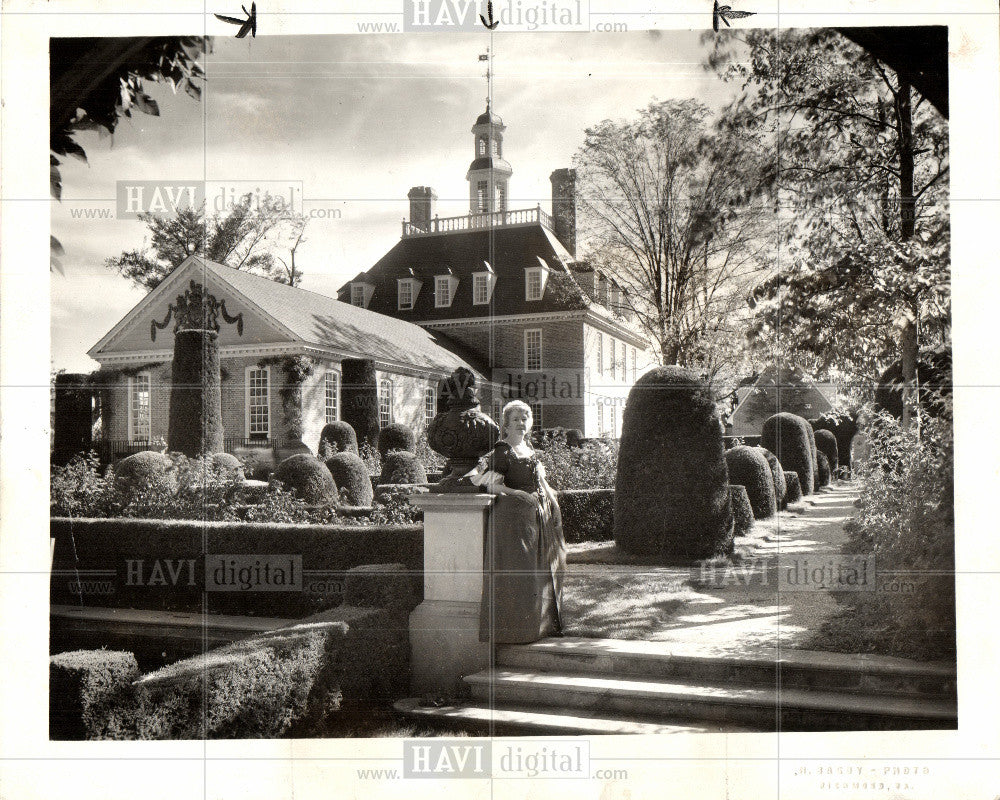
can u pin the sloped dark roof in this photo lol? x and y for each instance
(487, 117)
(321, 320)
(509, 250)
(487, 162)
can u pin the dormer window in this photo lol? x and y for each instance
(406, 293)
(361, 294)
(535, 279)
(482, 285)
(616, 302)
(444, 290)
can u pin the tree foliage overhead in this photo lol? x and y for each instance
(668, 208)
(245, 236)
(862, 170)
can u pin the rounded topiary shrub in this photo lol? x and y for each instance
(748, 468)
(574, 437)
(822, 470)
(742, 510)
(826, 443)
(227, 467)
(401, 466)
(777, 478)
(308, 477)
(794, 488)
(351, 476)
(145, 470)
(396, 436)
(844, 428)
(671, 485)
(337, 437)
(788, 437)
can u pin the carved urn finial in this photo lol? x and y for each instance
(196, 310)
(463, 433)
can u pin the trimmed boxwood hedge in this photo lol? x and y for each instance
(671, 495)
(823, 470)
(811, 434)
(181, 545)
(354, 484)
(777, 477)
(826, 443)
(748, 468)
(340, 435)
(290, 682)
(308, 477)
(83, 686)
(587, 514)
(788, 437)
(401, 466)
(794, 493)
(844, 428)
(396, 436)
(742, 511)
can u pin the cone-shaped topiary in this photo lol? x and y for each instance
(826, 443)
(337, 437)
(748, 467)
(787, 436)
(742, 510)
(844, 428)
(396, 436)
(359, 398)
(777, 478)
(822, 470)
(671, 487)
(351, 476)
(308, 477)
(794, 488)
(401, 466)
(227, 467)
(147, 469)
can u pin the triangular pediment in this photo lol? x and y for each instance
(133, 333)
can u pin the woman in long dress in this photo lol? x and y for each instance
(525, 555)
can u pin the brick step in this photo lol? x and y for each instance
(791, 669)
(762, 708)
(520, 721)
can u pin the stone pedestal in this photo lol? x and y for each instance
(444, 628)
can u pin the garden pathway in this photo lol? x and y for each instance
(747, 609)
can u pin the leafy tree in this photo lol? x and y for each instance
(863, 165)
(94, 82)
(245, 236)
(667, 208)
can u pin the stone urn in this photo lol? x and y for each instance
(463, 434)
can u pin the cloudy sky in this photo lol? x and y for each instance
(355, 121)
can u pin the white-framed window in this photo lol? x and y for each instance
(533, 350)
(501, 197)
(481, 195)
(331, 394)
(384, 402)
(258, 402)
(600, 353)
(537, 422)
(602, 426)
(444, 290)
(430, 404)
(614, 421)
(139, 416)
(616, 298)
(496, 148)
(534, 281)
(404, 294)
(612, 362)
(633, 365)
(482, 147)
(480, 288)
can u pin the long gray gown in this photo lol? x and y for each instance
(524, 557)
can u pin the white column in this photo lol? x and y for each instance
(444, 628)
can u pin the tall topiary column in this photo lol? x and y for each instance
(671, 489)
(359, 398)
(73, 416)
(195, 418)
(826, 443)
(787, 436)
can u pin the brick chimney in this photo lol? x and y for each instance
(564, 207)
(422, 199)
